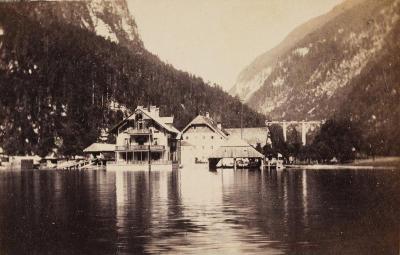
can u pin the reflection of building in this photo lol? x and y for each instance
(201, 137)
(145, 140)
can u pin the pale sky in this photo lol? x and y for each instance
(216, 39)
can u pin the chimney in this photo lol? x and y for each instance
(219, 125)
(157, 112)
(207, 115)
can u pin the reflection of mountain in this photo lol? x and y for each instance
(277, 204)
(311, 212)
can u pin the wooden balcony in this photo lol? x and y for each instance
(133, 131)
(140, 148)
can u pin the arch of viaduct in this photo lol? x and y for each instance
(305, 127)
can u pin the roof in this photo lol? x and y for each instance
(100, 147)
(251, 135)
(203, 120)
(167, 120)
(236, 148)
(164, 122)
(160, 120)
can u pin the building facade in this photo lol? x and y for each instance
(145, 140)
(200, 138)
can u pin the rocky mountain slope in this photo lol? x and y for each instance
(345, 65)
(109, 19)
(69, 70)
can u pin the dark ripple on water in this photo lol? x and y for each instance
(194, 211)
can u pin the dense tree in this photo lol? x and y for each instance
(60, 85)
(338, 138)
(294, 142)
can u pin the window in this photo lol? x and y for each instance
(212, 137)
(187, 137)
(212, 147)
(204, 137)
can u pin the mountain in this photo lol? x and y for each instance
(70, 70)
(344, 63)
(253, 76)
(109, 19)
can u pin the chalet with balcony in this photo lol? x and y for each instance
(145, 140)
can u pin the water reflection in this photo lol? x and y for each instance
(194, 211)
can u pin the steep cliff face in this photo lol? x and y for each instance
(109, 19)
(254, 75)
(304, 79)
(346, 66)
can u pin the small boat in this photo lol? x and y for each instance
(275, 164)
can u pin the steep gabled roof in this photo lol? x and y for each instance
(159, 120)
(167, 120)
(203, 120)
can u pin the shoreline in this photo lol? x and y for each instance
(340, 167)
(379, 163)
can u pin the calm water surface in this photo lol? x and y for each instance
(194, 211)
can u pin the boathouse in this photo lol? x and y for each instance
(237, 153)
(201, 138)
(105, 151)
(145, 140)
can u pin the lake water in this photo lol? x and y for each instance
(195, 211)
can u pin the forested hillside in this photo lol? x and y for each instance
(61, 84)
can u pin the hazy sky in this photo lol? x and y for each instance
(216, 39)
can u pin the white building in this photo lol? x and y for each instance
(200, 138)
(146, 140)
